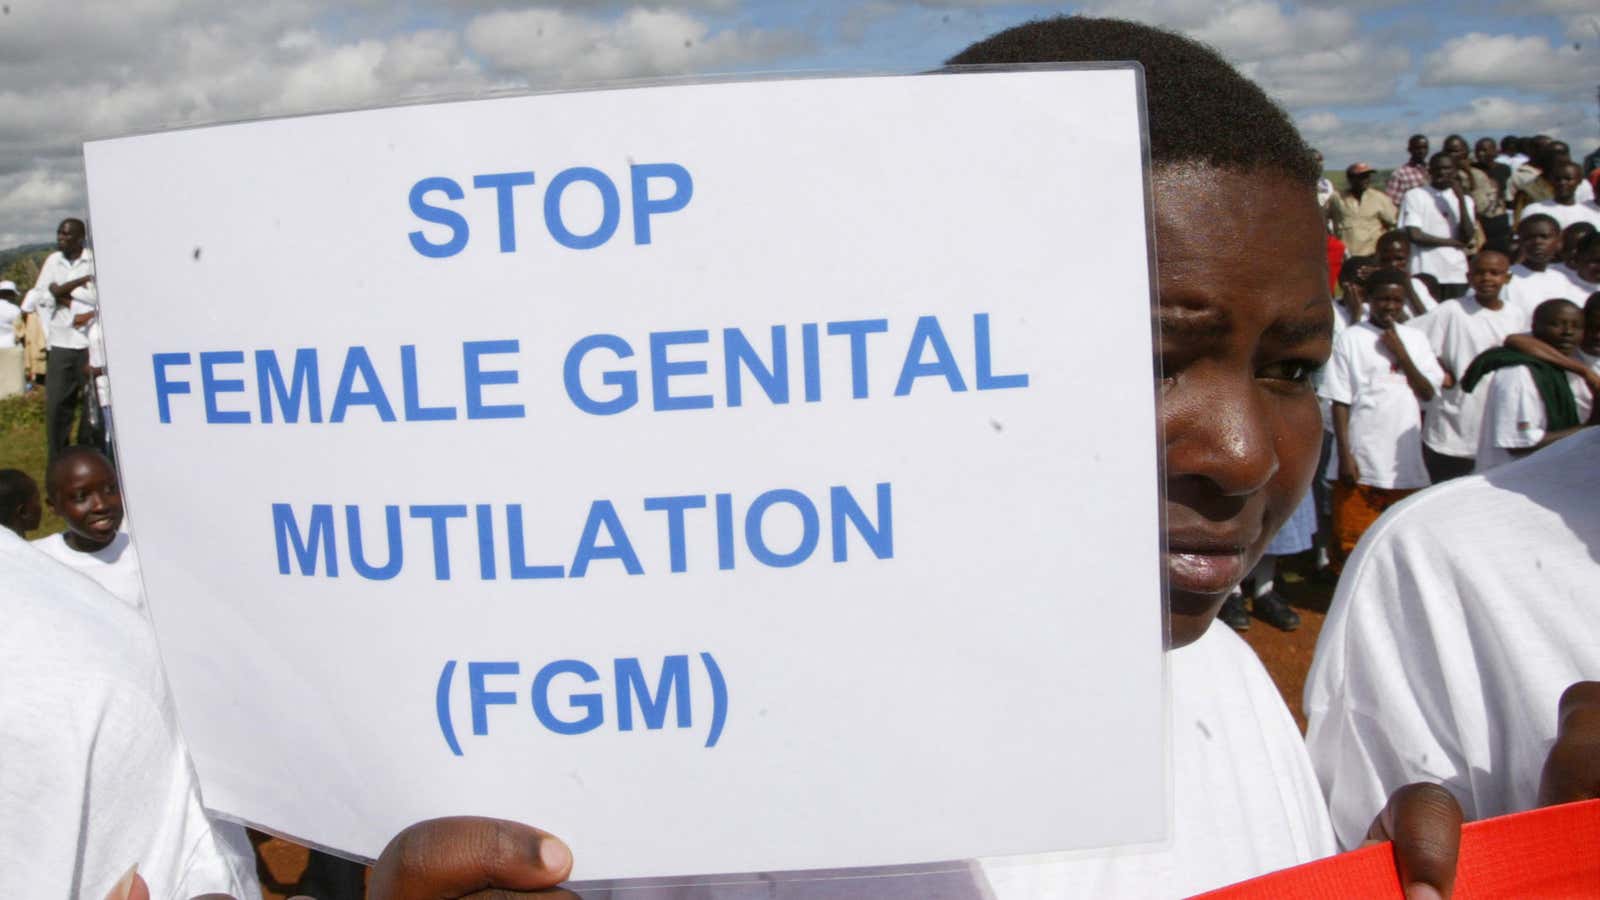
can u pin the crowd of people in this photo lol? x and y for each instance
(1450, 675)
(1467, 333)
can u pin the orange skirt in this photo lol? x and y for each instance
(1355, 508)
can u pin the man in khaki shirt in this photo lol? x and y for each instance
(1358, 215)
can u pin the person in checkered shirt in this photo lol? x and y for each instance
(1413, 174)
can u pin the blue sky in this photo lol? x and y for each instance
(1358, 77)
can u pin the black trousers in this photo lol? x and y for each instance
(1442, 467)
(64, 382)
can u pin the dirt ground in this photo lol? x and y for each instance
(1287, 657)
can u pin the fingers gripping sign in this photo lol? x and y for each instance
(467, 856)
(1572, 770)
(1424, 823)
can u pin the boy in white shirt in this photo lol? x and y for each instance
(1394, 252)
(1564, 206)
(1381, 373)
(1438, 218)
(1458, 332)
(81, 486)
(1530, 404)
(1589, 348)
(1540, 275)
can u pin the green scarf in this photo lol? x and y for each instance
(1559, 406)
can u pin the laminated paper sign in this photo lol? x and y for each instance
(726, 477)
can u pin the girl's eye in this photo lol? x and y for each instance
(1296, 371)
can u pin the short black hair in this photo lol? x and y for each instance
(82, 228)
(1200, 109)
(1442, 154)
(1588, 243)
(1351, 268)
(1382, 277)
(1389, 238)
(1537, 218)
(16, 486)
(1591, 306)
(1544, 311)
(53, 475)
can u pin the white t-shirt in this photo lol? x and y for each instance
(57, 269)
(94, 775)
(1528, 288)
(1435, 212)
(1565, 214)
(1385, 431)
(1424, 296)
(114, 567)
(1513, 414)
(1458, 332)
(1246, 802)
(9, 314)
(1461, 618)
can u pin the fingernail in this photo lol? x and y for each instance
(554, 855)
(1420, 891)
(124, 885)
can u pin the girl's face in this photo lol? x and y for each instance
(1239, 344)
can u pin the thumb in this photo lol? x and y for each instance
(1424, 823)
(456, 856)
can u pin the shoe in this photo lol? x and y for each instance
(1233, 613)
(1274, 610)
(1325, 576)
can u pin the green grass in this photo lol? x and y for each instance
(22, 446)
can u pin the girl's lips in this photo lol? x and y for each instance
(1208, 572)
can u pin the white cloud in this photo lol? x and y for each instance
(1259, 30)
(1524, 61)
(1302, 56)
(1357, 73)
(1502, 115)
(547, 45)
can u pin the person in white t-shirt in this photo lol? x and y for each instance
(1458, 332)
(13, 360)
(1381, 373)
(1438, 218)
(1539, 276)
(1458, 624)
(1394, 252)
(66, 298)
(1564, 206)
(95, 775)
(82, 487)
(1240, 345)
(1589, 348)
(99, 400)
(1531, 404)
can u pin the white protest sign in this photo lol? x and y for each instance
(725, 477)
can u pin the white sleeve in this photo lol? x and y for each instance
(1424, 358)
(107, 784)
(1338, 382)
(1435, 326)
(1513, 414)
(1376, 697)
(1409, 213)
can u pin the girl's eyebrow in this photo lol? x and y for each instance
(1195, 322)
(1300, 331)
